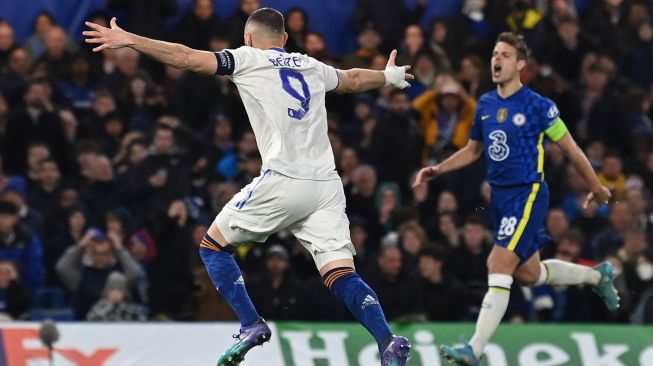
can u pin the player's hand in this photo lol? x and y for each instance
(114, 37)
(600, 195)
(396, 75)
(426, 174)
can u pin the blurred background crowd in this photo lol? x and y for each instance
(113, 166)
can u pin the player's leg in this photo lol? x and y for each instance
(344, 283)
(325, 234)
(555, 272)
(250, 216)
(529, 272)
(560, 273)
(517, 213)
(501, 266)
(226, 276)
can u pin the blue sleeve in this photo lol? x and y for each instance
(476, 132)
(548, 115)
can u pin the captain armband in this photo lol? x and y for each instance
(226, 63)
(556, 130)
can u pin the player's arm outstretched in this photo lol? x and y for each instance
(598, 192)
(359, 80)
(172, 54)
(459, 159)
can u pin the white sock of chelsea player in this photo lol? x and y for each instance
(557, 272)
(493, 308)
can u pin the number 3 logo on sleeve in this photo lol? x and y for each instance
(304, 98)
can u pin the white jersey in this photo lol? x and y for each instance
(283, 94)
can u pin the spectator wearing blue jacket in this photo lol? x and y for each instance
(20, 245)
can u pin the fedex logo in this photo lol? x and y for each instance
(15, 350)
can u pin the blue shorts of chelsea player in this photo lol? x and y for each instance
(518, 214)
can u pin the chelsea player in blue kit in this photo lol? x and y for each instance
(511, 126)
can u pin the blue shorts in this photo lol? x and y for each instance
(518, 214)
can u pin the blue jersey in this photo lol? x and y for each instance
(513, 131)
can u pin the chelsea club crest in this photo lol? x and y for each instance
(519, 119)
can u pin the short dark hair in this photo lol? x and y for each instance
(573, 235)
(46, 14)
(474, 219)
(270, 18)
(113, 116)
(567, 19)
(162, 127)
(38, 144)
(36, 81)
(103, 93)
(434, 251)
(517, 42)
(301, 12)
(138, 141)
(85, 146)
(475, 60)
(48, 160)
(386, 248)
(395, 92)
(612, 153)
(450, 214)
(634, 99)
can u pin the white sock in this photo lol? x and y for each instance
(557, 272)
(494, 307)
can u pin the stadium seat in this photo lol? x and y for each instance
(50, 303)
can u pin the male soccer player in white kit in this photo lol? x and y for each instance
(299, 188)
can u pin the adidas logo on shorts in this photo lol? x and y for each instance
(369, 300)
(239, 281)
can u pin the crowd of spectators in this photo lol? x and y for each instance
(113, 166)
